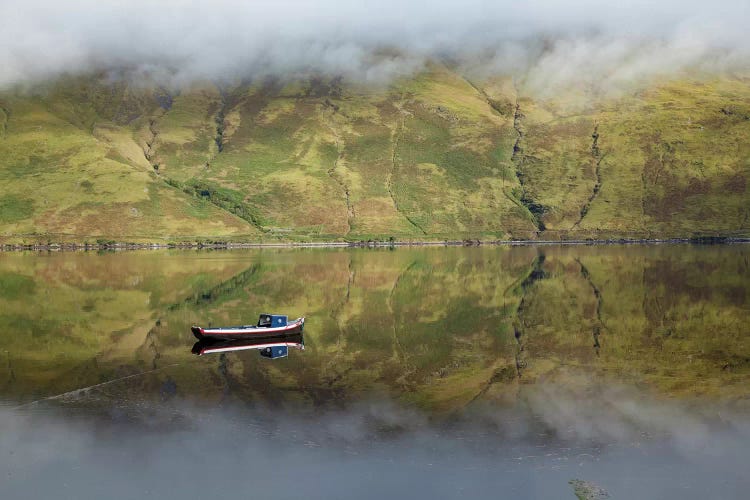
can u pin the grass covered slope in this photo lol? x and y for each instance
(671, 160)
(72, 170)
(432, 156)
(427, 157)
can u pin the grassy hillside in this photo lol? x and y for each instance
(73, 169)
(432, 156)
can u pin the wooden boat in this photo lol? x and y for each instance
(269, 325)
(268, 347)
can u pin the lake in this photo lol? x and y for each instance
(485, 372)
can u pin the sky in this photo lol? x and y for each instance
(546, 44)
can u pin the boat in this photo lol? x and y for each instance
(269, 325)
(268, 347)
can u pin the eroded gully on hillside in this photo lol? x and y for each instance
(396, 133)
(597, 157)
(4, 123)
(332, 172)
(517, 158)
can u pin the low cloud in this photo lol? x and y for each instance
(544, 44)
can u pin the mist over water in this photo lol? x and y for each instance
(428, 373)
(374, 449)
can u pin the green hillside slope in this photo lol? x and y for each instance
(72, 169)
(432, 156)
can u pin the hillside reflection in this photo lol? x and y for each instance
(441, 328)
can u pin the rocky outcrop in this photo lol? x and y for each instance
(586, 490)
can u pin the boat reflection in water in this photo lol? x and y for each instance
(269, 347)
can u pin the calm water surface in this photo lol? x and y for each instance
(430, 373)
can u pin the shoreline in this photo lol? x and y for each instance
(78, 247)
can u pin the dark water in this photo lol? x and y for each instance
(429, 373)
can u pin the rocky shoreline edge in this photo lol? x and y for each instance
(226, 245)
